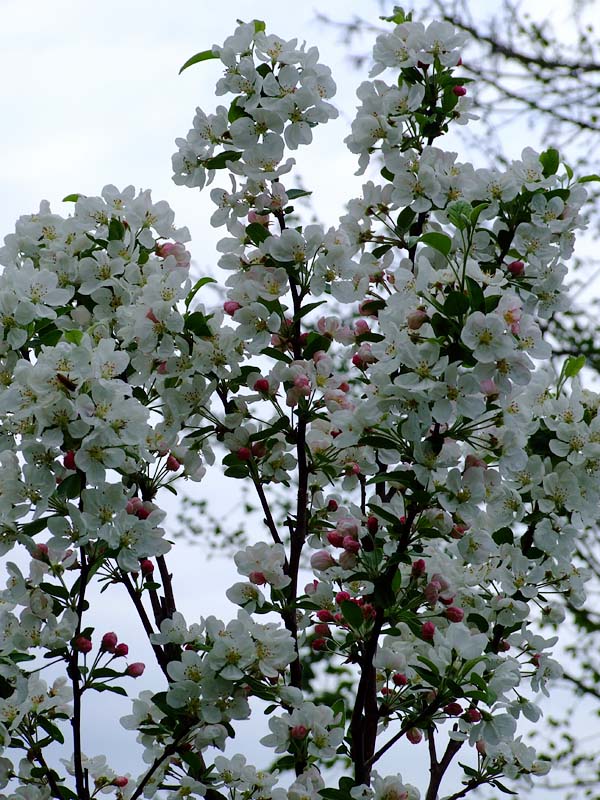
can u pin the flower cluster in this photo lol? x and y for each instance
(441, 467)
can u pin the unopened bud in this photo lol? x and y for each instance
(414, 735)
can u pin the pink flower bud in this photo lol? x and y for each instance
(341, 597)
(311, 587)
(133, 505)
(516, 268)
(120, 781)
(172, 464)
(336, 539)
(109, 642)
(324, 615)
(454, 614)
(369, 611)
(427, 631)
(319, 644)
(322, 560)
(177, 250)
(414, 735)
(135, 670)
(40, 552)
(432, 592)
(453, 709)
(121, 649)
(322, 629)
(472, 715)
(82, 644)
(458, 531)
(372, 525)
(347, 560)
(503, 646)
(230, 307)
(257, 578)
(244, 454)
(399, 679)
(416, 318)
(459, 91)
(351, 545)
(147, 567)
(258, 449)
(69, 460)
(489, 388)
(261, 219)
(262, 386)
(144, 510)
(299, 732)
(480, 747)
(418, 568)
(473, 461)
(332, 506)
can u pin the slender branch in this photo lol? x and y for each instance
(269, 521)
(74, 674)
(167, 584)
(139, 607)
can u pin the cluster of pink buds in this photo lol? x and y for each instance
(140, 508)
(177, 250)
(110, 644)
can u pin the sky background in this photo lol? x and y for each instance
(90, 95)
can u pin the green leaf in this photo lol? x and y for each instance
(37, 525)
(380, 251)
(50, 729)
(197, 323)
(66, 793)
(116, 230)
(352, 614)
(74, 337)
(439, 242)
(549, 159)
(474, 216)
(503, 788)
(456, 304)
(589, 178)
(55, 590)
(195, 288)
(294, 194)
(476, 297)
(222, 159)
(573, 366)
(459, 214)
(71, 198)
(259, 25)
(205, 55)
(503, 536)
(102, 687)
(273, 352)
(314, 343)
(257, 233)
(69, 487)
(481, 623)
(235, 112)
(308, 308)
(398, 17)
(405, 220)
